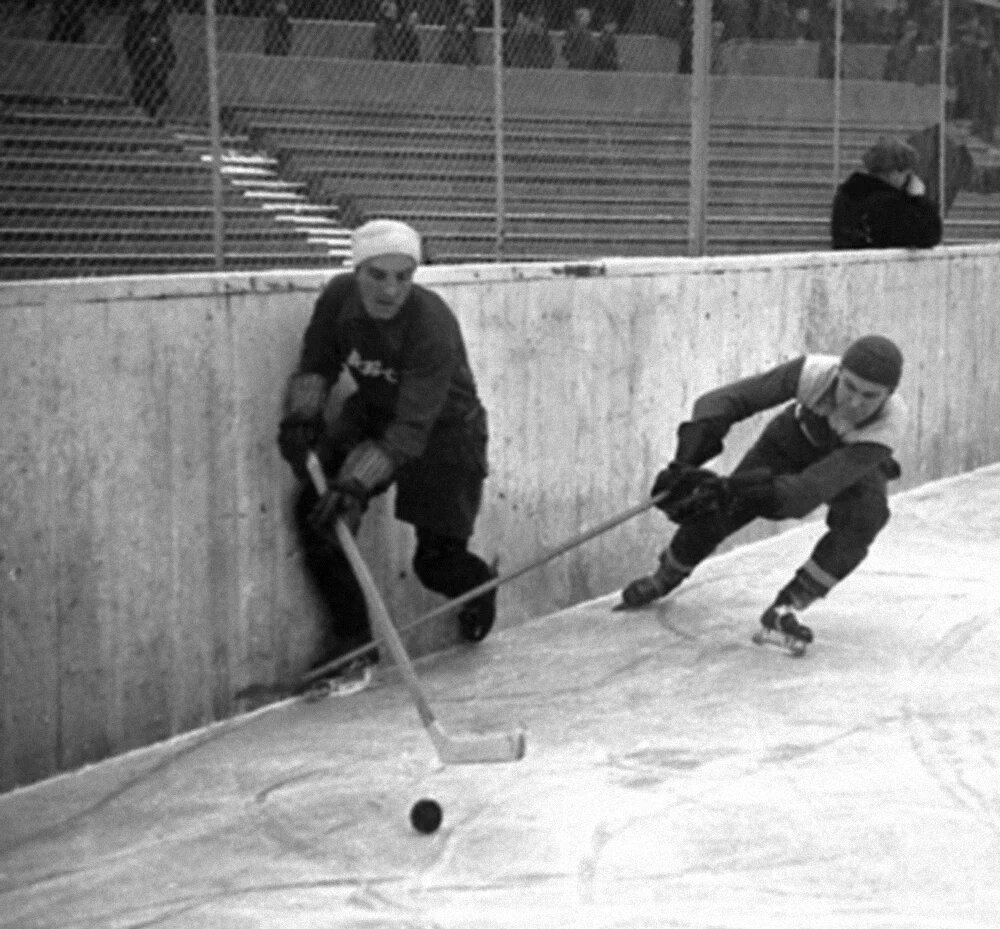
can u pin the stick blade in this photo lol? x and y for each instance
(498, 748)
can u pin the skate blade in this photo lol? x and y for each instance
(796, 648)
(339, 686)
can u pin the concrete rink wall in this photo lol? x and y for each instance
(147, 568)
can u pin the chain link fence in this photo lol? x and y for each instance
(190, 135)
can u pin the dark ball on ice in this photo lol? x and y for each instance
(425, 815)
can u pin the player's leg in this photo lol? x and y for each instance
(331, 576)
(854, 519)
(442, 503)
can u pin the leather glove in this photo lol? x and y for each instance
(678, 481)
(368, 466)
(296, 436)
(755, 487)
(345, 500)
(700, 440)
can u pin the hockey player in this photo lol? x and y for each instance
(415, 420)
(832, 443)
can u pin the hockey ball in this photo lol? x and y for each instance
(426, 815)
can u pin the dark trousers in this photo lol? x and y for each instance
(854, 517)
(439, 501)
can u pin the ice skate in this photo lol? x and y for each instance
(780, 626)
(645, 590)
(343, 681)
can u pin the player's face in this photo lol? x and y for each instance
(385, 284)
(859, 399)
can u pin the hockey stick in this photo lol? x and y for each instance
(492, 584)
(451, 749)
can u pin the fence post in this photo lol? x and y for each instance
(218, 217)
(498, 106)
(700, 118)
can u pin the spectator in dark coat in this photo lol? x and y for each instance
(902, 53)
(458, 46)
(885, 206)
(606, 57)
(395, 37)
(149, 50)
(579, 45)
(278, 30)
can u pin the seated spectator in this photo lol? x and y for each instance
(960, 169)
(278, 29)
(458, 45)
(606, 56)
(719, 64)
(579, 45)
(885, 206)
(395, 37)
(902, 53)
(528, 44)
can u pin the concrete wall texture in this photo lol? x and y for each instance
(147, 565)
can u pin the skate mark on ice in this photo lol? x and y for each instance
(947, 747)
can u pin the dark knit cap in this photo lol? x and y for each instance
(876, 359)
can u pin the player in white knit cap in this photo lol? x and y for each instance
(415, 420)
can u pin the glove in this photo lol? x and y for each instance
(367, 466)
(296, 437)
(302, 424)
(678, 481)
(721, 495)
(700, 440)
(345, 500)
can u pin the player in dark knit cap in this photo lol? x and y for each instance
(833, 443)
(415, 420)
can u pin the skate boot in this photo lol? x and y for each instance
(476, 618)
(643, 590)
(780, 625)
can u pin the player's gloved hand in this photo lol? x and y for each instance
(369, 466)
(346, 501)
(296, 436)
(677, 482)
(700, 440)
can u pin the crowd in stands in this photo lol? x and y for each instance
(910, 28)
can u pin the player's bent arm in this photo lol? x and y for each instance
(796, 495)
(715, 412)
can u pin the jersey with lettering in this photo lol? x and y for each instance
(412, 371)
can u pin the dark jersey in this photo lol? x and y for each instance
(870, 213)
(413, 375)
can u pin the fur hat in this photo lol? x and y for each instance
(384, 237)
(890, 154)
(876, 359)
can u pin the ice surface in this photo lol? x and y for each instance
(676, 775)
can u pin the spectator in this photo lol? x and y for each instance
(579, 45)
(606, 56)
(960, 170)
(68, 22)
(458, 45)
(278, 30)
(682, 30)
(902, 53)
(517, 42)
(885, 206)
(415, 421)
(395, 37)
(541, 48)
(718, 65)
(149, 50)
(975, 69)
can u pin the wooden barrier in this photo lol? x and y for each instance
(148, 570)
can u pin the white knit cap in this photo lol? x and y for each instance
(385, 237)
